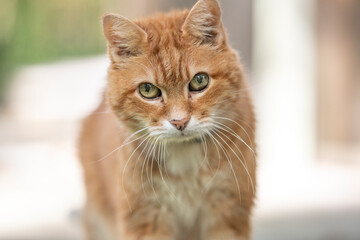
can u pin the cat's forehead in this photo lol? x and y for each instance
(167, 54)
(163, 21)
(164, 30)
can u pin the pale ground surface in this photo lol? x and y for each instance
(41, 191)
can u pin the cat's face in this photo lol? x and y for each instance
(172, 76)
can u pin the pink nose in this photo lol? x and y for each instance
(180, 124)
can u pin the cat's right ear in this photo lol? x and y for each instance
(125, 38)
(203, 23)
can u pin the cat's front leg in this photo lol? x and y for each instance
(147, 236)
(157, 237)
(231, 231)
(232, 224)
(228, 235)
(145, 224)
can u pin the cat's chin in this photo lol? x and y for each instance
(182, 137)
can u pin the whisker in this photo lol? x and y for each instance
(226, 153)
(148, 157)
(161, 174)
(203, 144)
(218, 166)
(151, 168)
(137, 160)
(134, 133)
(124, 144)
(143, 166)
(239, 125)
(242, 163)
(233, 133)
(221, 128)
(127, 161)
(164, 160)
(242, 155)
(238, 137)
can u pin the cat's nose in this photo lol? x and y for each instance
(180, 124)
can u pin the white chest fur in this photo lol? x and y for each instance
(184, 198)
(183, 159)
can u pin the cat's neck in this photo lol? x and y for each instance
(184, 159)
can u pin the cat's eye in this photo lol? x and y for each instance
(199, 82)
(149, 91)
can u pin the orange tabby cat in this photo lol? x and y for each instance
(173, 159)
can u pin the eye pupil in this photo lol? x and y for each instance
(199, 82)
(149, 91)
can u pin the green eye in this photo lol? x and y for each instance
(199, 82)
(149, 91)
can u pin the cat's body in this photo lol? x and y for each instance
(180, 165)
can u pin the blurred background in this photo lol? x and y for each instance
(303, 64)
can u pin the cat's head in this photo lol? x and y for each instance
(172, 75)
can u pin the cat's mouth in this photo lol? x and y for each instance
(194, 132)
(183, 136)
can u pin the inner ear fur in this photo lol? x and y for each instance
(203, 23)
(125, 38)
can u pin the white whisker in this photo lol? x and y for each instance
(124, 144)
(127, 161)
(229, 161)
(231, 120)
(242, 163)
(238, 137)
(218, 165)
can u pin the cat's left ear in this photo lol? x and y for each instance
(204, 23)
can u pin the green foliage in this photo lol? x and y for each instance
(36, 31)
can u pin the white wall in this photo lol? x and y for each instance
(285, 82)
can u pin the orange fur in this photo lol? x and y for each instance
(163, 183)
